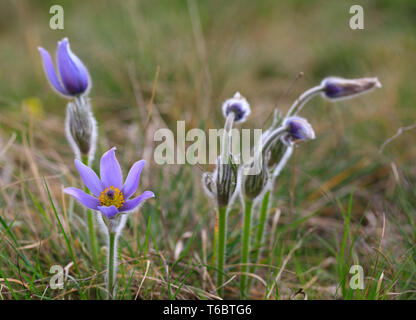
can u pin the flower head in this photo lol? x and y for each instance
(109, 195)
(335, 88)
(299, 129)
(237, 105)
(73, 77)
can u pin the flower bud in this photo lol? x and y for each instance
(226, 181)
(73, 77)
(221, 184)
(81, 129)
(299, 129)
(335, 88)
(237, 105)
(277, 150)
(254, 184)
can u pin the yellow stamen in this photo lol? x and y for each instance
(111, 196)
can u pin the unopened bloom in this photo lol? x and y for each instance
(299, 129)
(81, 129)
(109, 195)
(335, 88)
(221, 184)
(225, 182)
(254, 184)
(73, 77)
(237, 105)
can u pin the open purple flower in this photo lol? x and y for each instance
(109, 195)
(73, 78)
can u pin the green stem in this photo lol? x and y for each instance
(222, 242)
(111, 261)
(260, 231)
(246, 247)
(215, 241)
(91, 227)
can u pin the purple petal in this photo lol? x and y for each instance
(90, 178)
(51, 73)
(110, 171)
(74, 74)
(81, 196)
(132, 204)
(109, 212)
(133, 178)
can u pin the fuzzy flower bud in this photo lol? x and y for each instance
(254, 184)
(277, 150)
(237, 105)
(299, 129)
(81, 129)
(226, 181)
(335, 88)
(73, 77)
(256, 174)
(221, 184)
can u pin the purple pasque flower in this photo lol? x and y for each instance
(335, 88)
(109, 195)
(237, 105)
(299, 129)
(73, 79)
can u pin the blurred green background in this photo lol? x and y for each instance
(207, 50)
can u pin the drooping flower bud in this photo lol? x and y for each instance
(73, 78)
(81, 129)
(299, 129)
(335, 88)
(237, 105)
(256, 173)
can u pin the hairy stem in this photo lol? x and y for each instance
(300, 102)
(246, 247)
(222, 243)
(111, 262)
